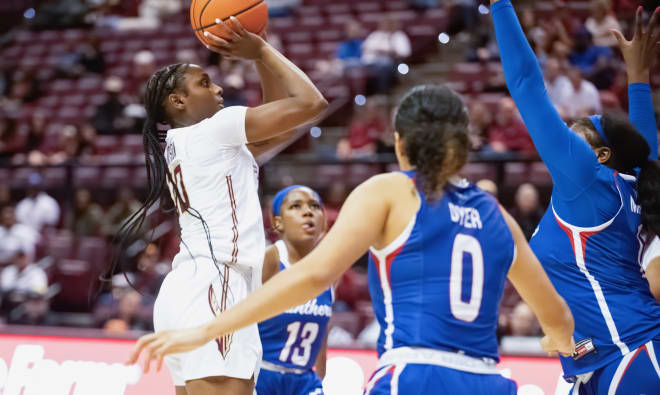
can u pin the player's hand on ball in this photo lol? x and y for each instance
(237, 42)
(157, 345)
(551, 347)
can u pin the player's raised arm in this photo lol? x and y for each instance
(570, 160)
(530, 280)
(304, 103)
(639, 54)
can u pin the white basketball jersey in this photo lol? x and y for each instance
(217, 179)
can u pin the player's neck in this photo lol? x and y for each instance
(297, 251)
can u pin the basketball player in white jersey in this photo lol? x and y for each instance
(212, 175)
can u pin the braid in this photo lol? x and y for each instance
(162, 83)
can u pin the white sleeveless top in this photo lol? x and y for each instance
(217, 178)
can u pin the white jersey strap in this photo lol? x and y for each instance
(283, 252)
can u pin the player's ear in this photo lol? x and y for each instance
(603, 154)
(277, 224)
(177, 101)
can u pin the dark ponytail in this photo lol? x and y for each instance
(433, 122)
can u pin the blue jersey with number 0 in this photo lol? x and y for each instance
(439, 284)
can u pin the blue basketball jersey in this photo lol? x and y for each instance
(294, 338)
(438, 285)
(597, 271)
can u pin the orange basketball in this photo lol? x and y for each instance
(253, 15)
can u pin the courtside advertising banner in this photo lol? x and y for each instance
(44, 365)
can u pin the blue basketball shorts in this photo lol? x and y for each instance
(415, 379)
(637, 372)
(276, 383)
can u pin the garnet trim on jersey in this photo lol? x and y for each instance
(224, 341)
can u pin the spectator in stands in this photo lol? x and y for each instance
(381, 53)
(74, 145)
(595, 62)
(558, 85)
(152, 270)
(364, 131)
(37, 209)
(91, 56)
(24, 89)
(36, 133)
(10, 141)
(480, 121)
(87, 216)
(349, 51)
(15, 237)
(282, 8)
(527, 211)
(69, 64)
(583, 98)
(144, 64)
(128, 314)
(109, 117)
(462, 16)
(522, 321)
(333, 201)
(23, 287)
(508, 133)
(125, 205)
(601, 22)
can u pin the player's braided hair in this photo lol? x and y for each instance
(160, 85)
(433, 123)
(630, 151)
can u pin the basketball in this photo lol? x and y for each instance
(253, 15)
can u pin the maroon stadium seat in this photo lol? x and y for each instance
(92, 250)
(60, 246)
(76, 278)
(86, 176)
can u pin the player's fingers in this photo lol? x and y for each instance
(229, 32)
(239, 27)
(638, 22)
(160, 363)
(619, 36)
(139, 346)
(217, 41)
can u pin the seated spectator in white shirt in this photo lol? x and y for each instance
(23, 291)
(15, 237)
(557, 84)
(23, 276)
(381, 52)
(584, 98)
(38, 209)
(601, 22)
(387, 44)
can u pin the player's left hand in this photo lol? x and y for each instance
(549, 346)
(236, 41)
(157, 345)
(640, 52)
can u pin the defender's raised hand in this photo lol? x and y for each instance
(640, 52)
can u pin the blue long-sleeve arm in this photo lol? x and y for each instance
(641, 114)
(570, 160)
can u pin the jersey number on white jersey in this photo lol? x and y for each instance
(307, 337)
(181, 198)
(466, 244)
